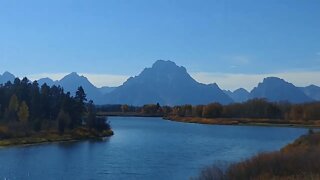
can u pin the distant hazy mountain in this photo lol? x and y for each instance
(106, 89)
(48, 81)
(312, 91)
(239, 95)
(276, 89)
(5, 77)
(72, 81)
(167, 84)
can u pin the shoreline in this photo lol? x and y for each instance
(119, 114)
(225, 121)
(54, 137)
(298, 159)
(242, 122)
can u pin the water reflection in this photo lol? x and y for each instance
(143, 148)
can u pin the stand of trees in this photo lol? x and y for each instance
(25, 108)
(254, 109)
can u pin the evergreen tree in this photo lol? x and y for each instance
(81, 95)
(80, 105)
(44, 108)
(91, 118)
(63, 121)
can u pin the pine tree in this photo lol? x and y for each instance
(63, 120)
(81, 95)
(91, 118)
(80, 105)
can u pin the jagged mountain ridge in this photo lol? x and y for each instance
(169, 84)
(239, 95)
(312, 91)
(166, 83)
(5, 77)
(276, 89)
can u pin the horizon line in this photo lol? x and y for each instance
(226, 81)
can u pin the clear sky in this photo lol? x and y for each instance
(233, 42)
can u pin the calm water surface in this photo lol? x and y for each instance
(143, 148)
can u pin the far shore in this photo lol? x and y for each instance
(55, 137)
(246, 122)
(128, 114)
(224, 121)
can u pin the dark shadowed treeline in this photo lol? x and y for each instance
(254, 109)
(25, 108)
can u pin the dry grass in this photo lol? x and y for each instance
(299, 160)
(203, 120)
(54, 136)
(245, 121)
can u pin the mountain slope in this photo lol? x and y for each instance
(167, 84)
(312, 91)
(106, 89)
(48, 81)
(276, 89)
(72, 81)
(5, 77)
(239, 95)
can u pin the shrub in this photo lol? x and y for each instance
(299, 160)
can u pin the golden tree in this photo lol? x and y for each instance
(23, 113)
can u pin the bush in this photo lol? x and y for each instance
(299, 160)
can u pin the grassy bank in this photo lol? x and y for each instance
(81, 133)
(299, 160)
(245, 121)
(128, 114)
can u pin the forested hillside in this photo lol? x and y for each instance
(26, 108)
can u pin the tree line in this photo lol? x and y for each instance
(254, 109)
(25, 108)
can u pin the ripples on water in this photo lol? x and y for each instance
(143, 148)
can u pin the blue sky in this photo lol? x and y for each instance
(109, 40)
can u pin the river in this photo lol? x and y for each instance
(144, 148)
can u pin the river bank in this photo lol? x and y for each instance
(222, 121)
(246, 121)
(127, 114)
(77, 134)
(297, 160)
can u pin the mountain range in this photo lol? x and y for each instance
(169, 84)
(276, 89)
(239, 95)
(312, 91)
(5, 77)
(166, 83)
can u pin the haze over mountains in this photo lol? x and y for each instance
(169, 84)
(166, 83)
(239, 95)
(312, 91)
(5, 77)
(276, 89)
